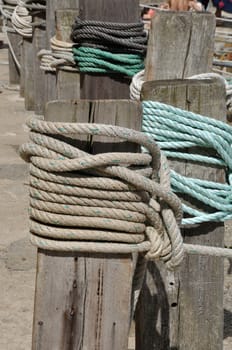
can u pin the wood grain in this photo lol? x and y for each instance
(180, 44)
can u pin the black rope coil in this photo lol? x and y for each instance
(110, 36)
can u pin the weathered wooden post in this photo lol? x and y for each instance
(68, 82)
(77, 301)
(52, 7)
(39, 43)
(14, 54)
(32, 30)
(28, 76)
(184, 311)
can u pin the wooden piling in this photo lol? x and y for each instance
(112, 85)
(184, 310)
(77, 301)
(180, 44)
(68, 83)
(39, 43)
(52, 7)
(14, 53)
(28, 74)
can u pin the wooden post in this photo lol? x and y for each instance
(77, 302)
(112, 11)
(15, 45)
(28, 62)
(52, 7)
(184, 311)
(68, 83)
(39, 43)
(180, 44)
(190, 304)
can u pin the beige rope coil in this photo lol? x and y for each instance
(111, 202)
(59, 57)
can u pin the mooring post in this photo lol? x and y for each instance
(68, 83)
(111, 86)
(39, 43)
(28, 73)
(84, 300)
(14, 54)
(77, 299)
(184, 310)
(180, 44)
(52, 7)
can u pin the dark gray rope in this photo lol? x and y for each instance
(114, 37)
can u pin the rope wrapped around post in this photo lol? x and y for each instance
(108, 47)
(22, 17)
(59, 57)
(112, 202)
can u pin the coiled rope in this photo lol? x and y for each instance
(111, 202)
(92, 60)
(107, 47)
(59, 57)
(76, 206)
(114, 37)
(176, 130)
(22, 17)
(6, 9)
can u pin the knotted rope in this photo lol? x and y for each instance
(104, 202)
(59, 57)
(107, 47)
(176, 131)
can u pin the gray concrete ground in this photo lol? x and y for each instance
(17, 256)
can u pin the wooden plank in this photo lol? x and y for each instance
(68, 83)
(39, 43)
(111, 86)
(190, 303)
(78, 291)
(52, 7)
(180, 44)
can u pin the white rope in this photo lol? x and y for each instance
(59, 57)
(22, 20)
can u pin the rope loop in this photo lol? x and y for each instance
(111, 202)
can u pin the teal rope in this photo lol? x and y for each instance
(98, 61)
(176, 129)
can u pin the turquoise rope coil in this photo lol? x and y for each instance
(176, 130)
(91, 60)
